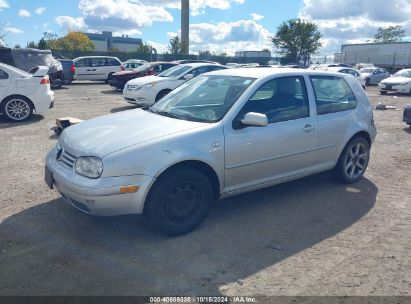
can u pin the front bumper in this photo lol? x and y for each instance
(140, 97)
(100, 197)
(394, 88)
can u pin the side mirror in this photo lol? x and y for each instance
(188, 76)
(255, 119)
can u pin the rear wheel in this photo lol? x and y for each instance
(367, 82)
(353, 160)
(383, 92)
(178, 202)
(17, 108)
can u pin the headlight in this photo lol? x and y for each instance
(148, 86)
(91, 167)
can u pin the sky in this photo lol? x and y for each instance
(215, 25)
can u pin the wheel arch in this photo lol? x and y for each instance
(16, 96)
(199, 165)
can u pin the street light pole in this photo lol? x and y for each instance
(185, 25)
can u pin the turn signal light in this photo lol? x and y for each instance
(129, 189)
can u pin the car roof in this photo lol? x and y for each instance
(263, 72)
(199, 64)
(339, 68)
(87, 57)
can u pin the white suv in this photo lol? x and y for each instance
(96, 67)
(148, 90)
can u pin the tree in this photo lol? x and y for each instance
(32, 45)
(176, 47)
(389, 34)
(297, 40)
(17, 46)
(205, 53)
(144, 49)
(73, 41)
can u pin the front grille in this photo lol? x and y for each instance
(67, 159)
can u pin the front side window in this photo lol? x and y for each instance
(112, 62)
(332, 94)
(281, 99)
(3, 75)
(203, 99)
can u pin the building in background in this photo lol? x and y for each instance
(106, 42)
(395, 55)
(254, 54)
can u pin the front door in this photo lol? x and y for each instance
(83, 69)
(283, 149)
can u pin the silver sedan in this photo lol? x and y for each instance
(218, 135)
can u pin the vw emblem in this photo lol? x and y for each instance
(59, 152)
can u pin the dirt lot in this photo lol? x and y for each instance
(309, 237)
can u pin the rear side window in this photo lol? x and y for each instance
(3, 75)
(333, 94)
(112, 62)
(82, 63)
(98, 62)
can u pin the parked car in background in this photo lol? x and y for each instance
(223, 133)
(69, 70)
(96, 67)
(132, 64)
(119, 79)
(374, 75)
(349, 71)
(22, 93)
(184, 61)
(148, 90)
(29, 59)
(400, 82)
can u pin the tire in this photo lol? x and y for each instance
(17, 108)
(367, 82)
(108, 77)
(353, 161)
(178, 201)
(162, 94)
(383, 92)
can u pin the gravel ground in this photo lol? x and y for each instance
(313, 236)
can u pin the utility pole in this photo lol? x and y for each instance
(185, 25)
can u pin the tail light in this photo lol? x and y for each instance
(150, 72)
(45, 80)
(122, 68)
(73, 69)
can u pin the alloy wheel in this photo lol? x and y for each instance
(356, 160)
(17, 109)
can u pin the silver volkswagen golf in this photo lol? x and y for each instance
(218, 135)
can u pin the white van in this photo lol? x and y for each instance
(96, 67)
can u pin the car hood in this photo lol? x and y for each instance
(396, 80)
(107, 134)
(126, 73)
(147, 79)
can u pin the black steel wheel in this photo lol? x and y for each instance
(178, 202)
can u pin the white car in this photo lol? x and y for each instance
(132, 64)
(96, 67)
(22, 93)
(349, 71)
(146, 91)
(400, 82)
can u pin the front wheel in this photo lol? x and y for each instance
(17, 108)
(353, 160)
(383, 92)
(178, 201)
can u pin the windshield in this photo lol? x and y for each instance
(144, 67)
(406, 74)
(175, 71)
(367, 71)
(206, 98)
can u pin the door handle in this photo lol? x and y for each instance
(94, 70)
(88, 70)
(308, 128)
